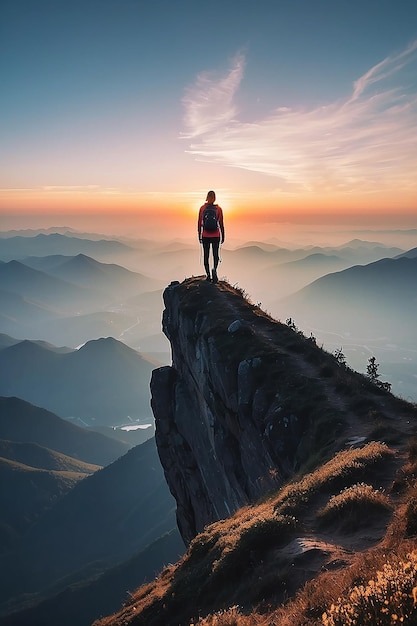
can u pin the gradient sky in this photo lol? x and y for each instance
(300, 109)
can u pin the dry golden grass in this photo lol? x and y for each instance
(376, 590)
(388, 598)
(353, 506)
(235, 573)
(232, 562)
(336, 473)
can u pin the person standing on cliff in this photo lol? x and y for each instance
(210, 230)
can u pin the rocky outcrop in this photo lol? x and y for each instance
(239, 409)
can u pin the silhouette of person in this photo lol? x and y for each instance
(210, 230)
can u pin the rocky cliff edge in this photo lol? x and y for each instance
(247, 402)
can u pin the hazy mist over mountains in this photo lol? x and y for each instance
(68, 288)
(103, 383)
(80, 333)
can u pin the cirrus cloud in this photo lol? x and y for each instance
(365, 142)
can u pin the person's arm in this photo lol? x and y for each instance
(199, 223)
(221, 224)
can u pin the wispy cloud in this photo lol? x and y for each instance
(365, 142)
(209, 103)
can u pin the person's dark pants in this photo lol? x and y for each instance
(215, 243)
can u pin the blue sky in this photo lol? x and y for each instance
(136, 102)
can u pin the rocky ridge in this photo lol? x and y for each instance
(247, 402)
(294, 476)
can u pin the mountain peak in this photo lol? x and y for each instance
(104, 344)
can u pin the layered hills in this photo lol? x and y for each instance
(29, 491)
(377, 297)
(72, 299)
(73, 547)
(42, 457)
(104, 521)
(24, 423)
(50, 243)
(293, 474)
(103, 383)
(284, 462)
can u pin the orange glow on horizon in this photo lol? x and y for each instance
(241, 210)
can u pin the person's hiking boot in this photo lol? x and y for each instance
(214, 273)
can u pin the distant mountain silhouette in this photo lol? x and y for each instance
(105, 381)
(410, 254)
(22, 422)
(42, 245)
(269, 273)
(69, 300)
(102, 521)
(32, 232)
(17, 314)
(293, 275)
(82, 602)
(43, 289)
(357, 251)
(78, 329)
(85, 271)
(6, 341)
(376, 298)
(32, 479)
(36, 456)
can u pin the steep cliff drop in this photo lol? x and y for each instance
(311, 466)
(246, 402)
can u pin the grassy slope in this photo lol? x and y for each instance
(37, 456)
(23, 422)
(287, 559)
(28, 492)
(81, 603)
(103, 520)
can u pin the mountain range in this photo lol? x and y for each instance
(378, 295)
(69, 300)
(365, 310)
(101, 522)
(25, 423)
(90, 329)
(42, 244)
(32, 478)
(104, 382)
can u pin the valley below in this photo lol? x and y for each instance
(80, 335)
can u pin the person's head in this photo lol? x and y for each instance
(211, 197)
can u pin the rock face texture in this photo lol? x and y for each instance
(239, 410)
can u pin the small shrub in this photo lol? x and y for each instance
(336, 473)
(291, 324)
(389, 599)
(340, 357)
(202, 544)
(373, 375)
(266, 533)
(227, 617)
(354, 505)
(256, 537)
